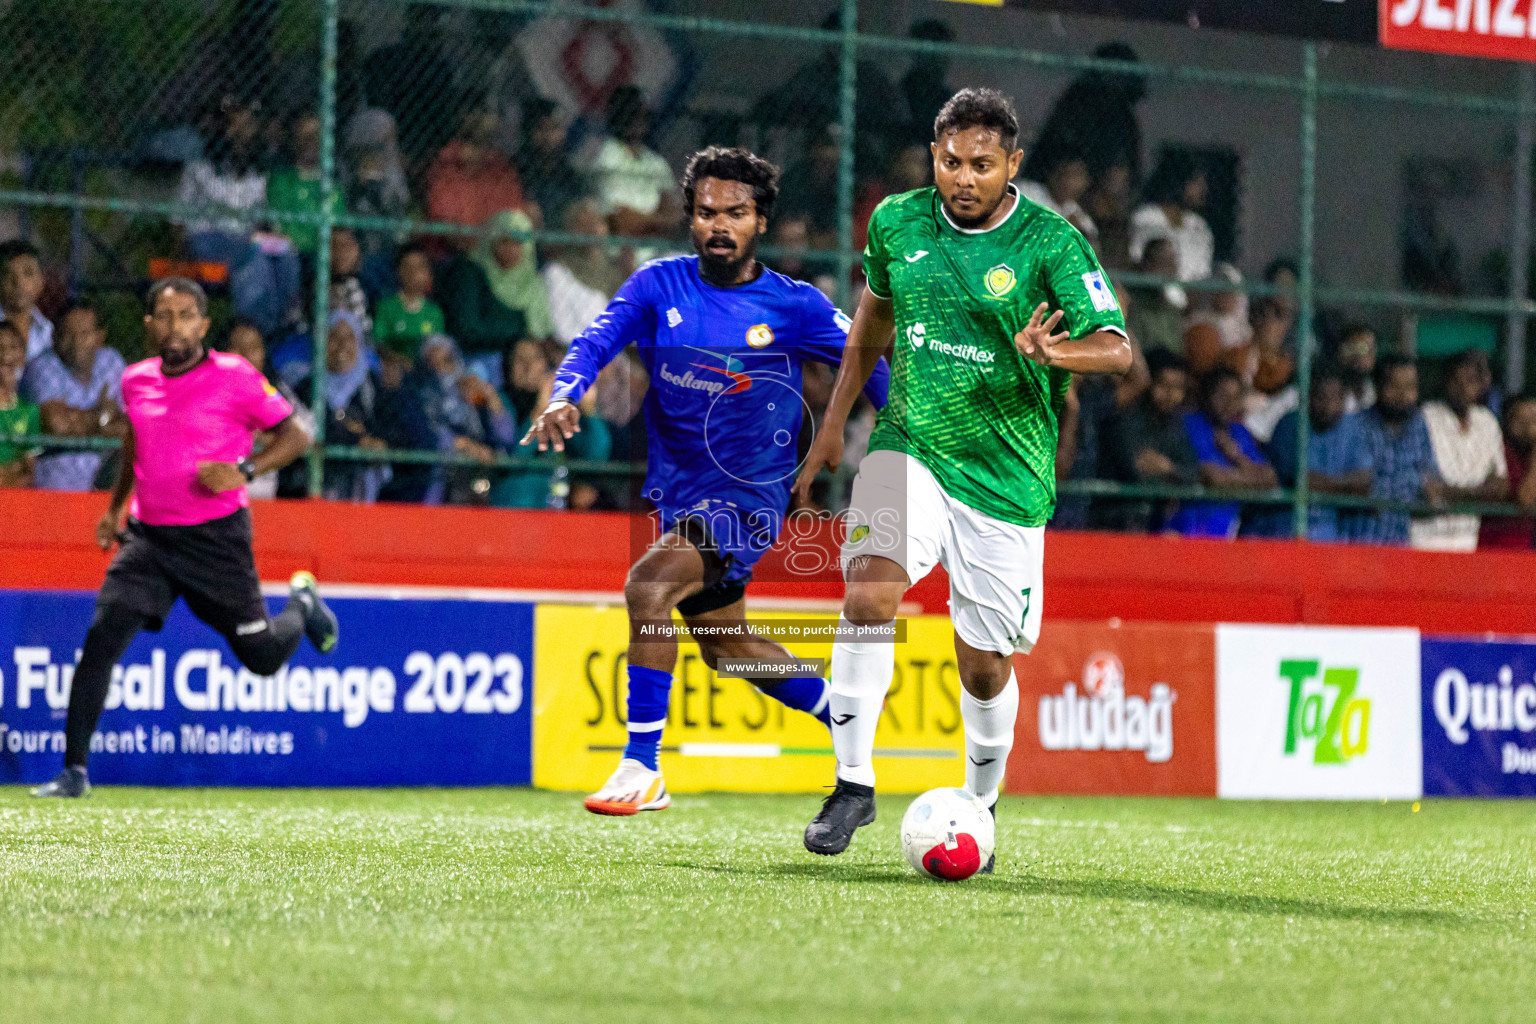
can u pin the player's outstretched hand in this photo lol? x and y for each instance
(826, 450)
(557, 424)
(1036, 342)
(106, 528)
(219, 477)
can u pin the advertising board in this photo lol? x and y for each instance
(418, 693)
(1318, 713)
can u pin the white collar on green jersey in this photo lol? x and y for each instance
(1018, 201)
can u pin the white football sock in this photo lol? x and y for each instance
(861, 674)
(988, 738)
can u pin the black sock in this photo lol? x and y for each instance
(265, 652)
(112, 630)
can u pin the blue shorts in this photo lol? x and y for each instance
(732, 541)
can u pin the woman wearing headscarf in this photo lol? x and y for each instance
(351, 394)
(466, 416)
(376, 187)
(494, 297)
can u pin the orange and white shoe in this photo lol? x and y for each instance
(629, 790)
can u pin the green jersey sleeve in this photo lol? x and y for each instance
(1080, 289)
(877, 258)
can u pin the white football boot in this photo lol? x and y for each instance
(632, 788)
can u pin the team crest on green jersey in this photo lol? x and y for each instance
(1000, 280)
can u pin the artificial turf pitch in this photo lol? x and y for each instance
(511, 905)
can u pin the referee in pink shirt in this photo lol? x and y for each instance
(185, 463)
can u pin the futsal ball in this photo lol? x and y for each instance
(947, 834)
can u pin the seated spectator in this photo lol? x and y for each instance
(466, 417)
(1058, 184)
(21, 285)
(529, 383)
(349, 400)
(409, 315)
(295, 186)
(1147, 444)
(78, 386)
(1337, 459)
(1155, 316)
(1269, 369)
(375, 174)
(809, 189)
(18, 418)
(1357, 362)
(1469, 456)
(470, 181)
(1401, 457)
(263, 268)
(292, 358)
(347, 292)
(495, 296)
(400, 421)
(1230, 458)
(634, 182)
(543, 162)
(1218, 330)
(376, 187)
(1174, 197)
(1515, 532)
(1091, 403)
(580, 279)
(244, 339)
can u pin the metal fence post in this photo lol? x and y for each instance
(1520, 236)
(1305, 312)
(323, 247)
(847, 79)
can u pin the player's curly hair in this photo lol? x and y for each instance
(732, 164)
(979, 108)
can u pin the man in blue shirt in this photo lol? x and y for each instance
(723, 338)
(78, 384)
(1230, 458)
(1402, 459)
(1338, 461)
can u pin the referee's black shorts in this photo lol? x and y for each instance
(210, 564)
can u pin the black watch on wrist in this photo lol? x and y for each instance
(247, 469)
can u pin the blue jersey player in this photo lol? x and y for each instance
(723, 339)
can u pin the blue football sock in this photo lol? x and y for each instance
(803, 693)
(649, 689)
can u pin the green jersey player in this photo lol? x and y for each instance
(994, 303)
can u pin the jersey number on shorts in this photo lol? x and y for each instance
(1024, 620)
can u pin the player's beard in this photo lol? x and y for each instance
(970, 223)
(178, 354)
(724, 269)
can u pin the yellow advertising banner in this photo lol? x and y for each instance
(722, 734)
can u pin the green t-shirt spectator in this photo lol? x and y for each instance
(400, 329)
(290, 190)
(20, 419)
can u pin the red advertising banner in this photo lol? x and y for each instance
(1502, 29)
(1128, 709)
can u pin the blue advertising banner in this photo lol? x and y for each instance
(418, 693)
(1479, 718)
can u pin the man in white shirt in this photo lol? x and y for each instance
(1469, 451)
(1062, 184)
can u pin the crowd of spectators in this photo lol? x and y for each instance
(446, 342)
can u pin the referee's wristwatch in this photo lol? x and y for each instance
(247, 469)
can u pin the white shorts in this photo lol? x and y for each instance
(996, 584)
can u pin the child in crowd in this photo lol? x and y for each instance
(17, 418)
(405, 318)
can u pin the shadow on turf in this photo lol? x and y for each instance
(1098, 888)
